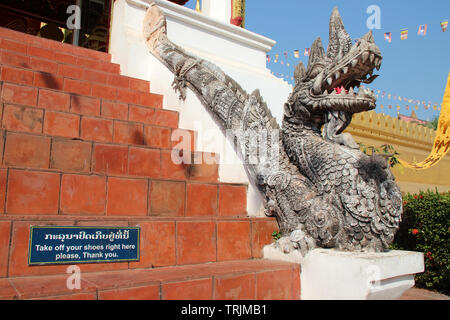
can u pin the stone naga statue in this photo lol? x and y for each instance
(323, 191)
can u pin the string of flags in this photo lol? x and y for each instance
(412, 103)
(422, 31)
(404, 33)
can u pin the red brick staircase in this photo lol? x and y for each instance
(82, 145)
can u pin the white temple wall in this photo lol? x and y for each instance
(238, 52)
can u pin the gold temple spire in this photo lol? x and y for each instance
(197, 6)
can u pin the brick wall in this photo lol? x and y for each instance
(81, 144)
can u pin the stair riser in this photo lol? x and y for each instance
(236, 280)
(164, 241)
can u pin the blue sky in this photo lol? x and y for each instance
(416, 68)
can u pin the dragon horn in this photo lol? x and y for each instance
(369, 37)
(339, 40)
(317, 52)
(299, 72)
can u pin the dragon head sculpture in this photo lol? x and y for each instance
(328, 90)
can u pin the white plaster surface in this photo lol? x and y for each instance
(238, 52)
(332, 274)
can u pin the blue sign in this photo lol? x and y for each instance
(73, 245)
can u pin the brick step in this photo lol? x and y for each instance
(164, 241)
(85, 117)
(53, 66)
(35, 41)
(244, 280)
(153, 159)
(98, 195)
(75, 78)
(29, 82)
(80, 70)
(41, 47)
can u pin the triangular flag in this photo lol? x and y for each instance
(422, 30)
(285, 54)
(268, 57)
(306, 53)
(296, 54)
(387, 36)
(444, 25)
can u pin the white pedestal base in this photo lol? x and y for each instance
(331, 274)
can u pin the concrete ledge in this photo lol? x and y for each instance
(332, 274)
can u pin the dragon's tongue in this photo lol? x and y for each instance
(339, 89)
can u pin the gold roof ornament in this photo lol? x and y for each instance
(442, 139)
(238, 13)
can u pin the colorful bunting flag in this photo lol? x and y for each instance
(296, 54)
(387, 36)
(404, 34)
(306, 53)
(268, 57)
(285, 54)
(444, 25)
(422, 30)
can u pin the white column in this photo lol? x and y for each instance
(217, 9)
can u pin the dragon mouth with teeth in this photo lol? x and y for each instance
(330, 88)
(340, 88)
